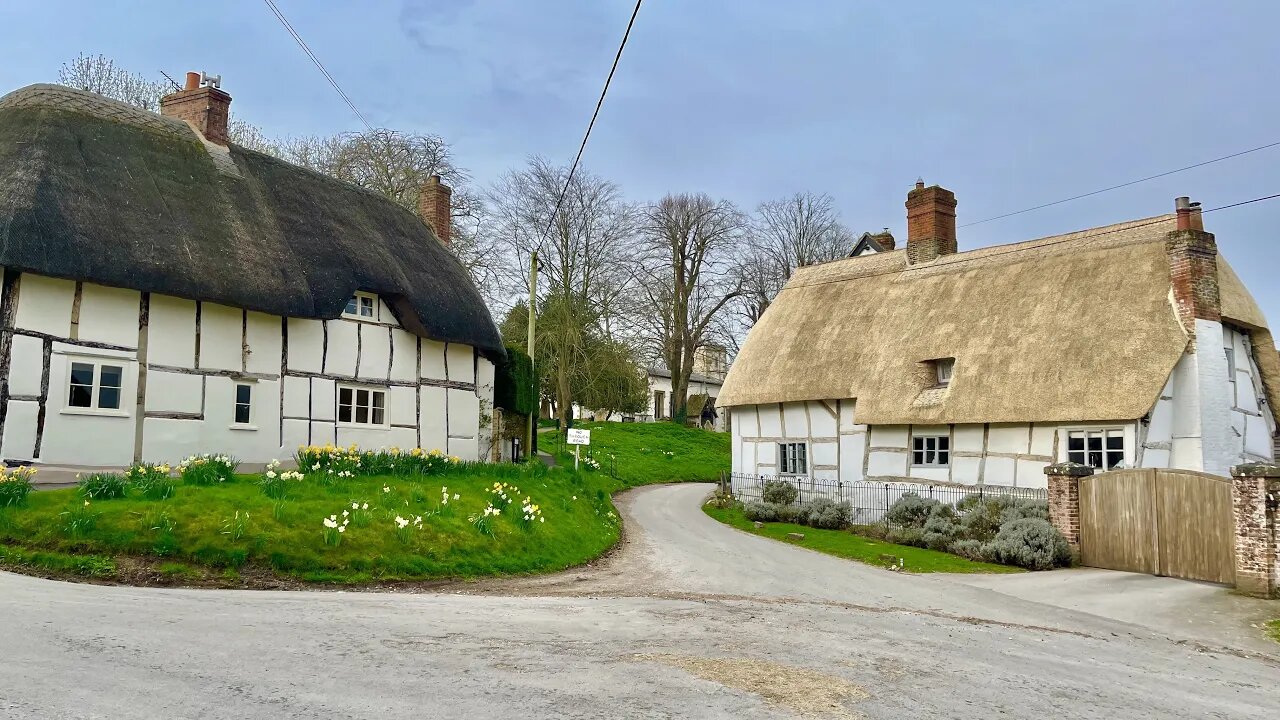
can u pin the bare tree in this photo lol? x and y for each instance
(99, 74)
(688, 279)
(786, 234)
(582, 252)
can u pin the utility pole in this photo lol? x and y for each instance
(537, 400)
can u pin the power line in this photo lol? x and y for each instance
(284, 21)
(1123, 185)
(582, 147)
(1022, 247)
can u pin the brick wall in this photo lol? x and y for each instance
(1253, 491)
(1064, 499)
(931, 223)
(207, 109)
(1193, 273)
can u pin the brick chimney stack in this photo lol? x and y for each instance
(884, 239)
(1193, 267)
(931, 223)
(202, 105)
(435, 205)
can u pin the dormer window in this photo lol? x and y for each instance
(942, 370)
(362, 306)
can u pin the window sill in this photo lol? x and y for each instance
(243, 427)
(359, 426)
(930, 467)
(95, 412)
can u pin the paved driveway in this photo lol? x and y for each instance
(689, 619)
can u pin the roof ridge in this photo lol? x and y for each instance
(65, 97)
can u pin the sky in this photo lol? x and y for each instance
(1008, 104)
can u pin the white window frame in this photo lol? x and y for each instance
(944, 368)
(95, 390)
(1104, 431)
(355, 390)
(235, 404)
(793, 458)
(931, 445)
(360, 298)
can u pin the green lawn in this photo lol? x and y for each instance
(231, 528)
(845, 544)
(647, 453)
(1273, 630)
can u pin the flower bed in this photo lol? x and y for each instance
(347, 516)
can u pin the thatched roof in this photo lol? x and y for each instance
(1075, 327)
(96, 190)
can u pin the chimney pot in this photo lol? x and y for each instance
(206, 109)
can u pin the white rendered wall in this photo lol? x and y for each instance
(196, 354)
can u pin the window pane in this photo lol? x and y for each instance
(242, 413)
(377, 416)
(1075, 442)
(1114, 459)
(944, 458)
(362, 414)
(366, 307)
(362, 399)
(1076, 456)
(243, 393)
(1095, 459)
(1095, 442)
(111, 375)
(917, 457)
(928, 457)
(379, 399)
(1115, 441)
(917, 443)
(344, 413)
(81, 374)
(109, 398)
(944, 443)
(81, 396)
(344, 396)
(351, 306)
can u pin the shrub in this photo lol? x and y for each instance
(941, 528)
(152, 481)
(1025, 509)
(779, 492)
(1031, 543)
(982, 516)
(972, 549)
(790, 514)
(827, 514)
(103, 486)
(207, 469)
(722, 499)
(903, 536)
(15, 485)
(910, 511)
(761, 511)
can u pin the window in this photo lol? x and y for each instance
(94, 385)
(1101, 449)
(943, 370)
(659, 404)
(244, 403)
(931, 450)
(362, 406)
(793, 458)
(363, 306)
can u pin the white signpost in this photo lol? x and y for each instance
(577, 438)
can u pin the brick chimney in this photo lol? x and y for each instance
(436, 208)
(202, 105)
(1193, 267)
(885, 240)
(931, 223)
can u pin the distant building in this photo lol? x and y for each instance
(710, 365)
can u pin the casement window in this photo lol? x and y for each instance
(94, 385)
(362, 306)
(942, 370)
(244, 404)
(1102, 449)
(931, 450)
(793, 458)
(362, 406)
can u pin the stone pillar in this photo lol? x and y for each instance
(1255, 492)
(1064, 499)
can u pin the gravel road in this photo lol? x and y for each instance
(689, 618)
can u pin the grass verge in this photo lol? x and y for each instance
(232, 530)
(646, 453)
(1273, 630)
(845, 544)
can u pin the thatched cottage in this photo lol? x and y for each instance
(1131, 345)
(167, 292)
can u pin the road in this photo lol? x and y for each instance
(689, 619)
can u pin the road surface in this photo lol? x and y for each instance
(689, 619)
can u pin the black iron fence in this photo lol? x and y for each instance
(871, 500)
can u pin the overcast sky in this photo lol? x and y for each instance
(1008, 104)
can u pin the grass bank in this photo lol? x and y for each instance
(646, 453)
(845, 544)
(459, 521)
(1273, 630)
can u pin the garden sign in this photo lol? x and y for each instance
(577, 438)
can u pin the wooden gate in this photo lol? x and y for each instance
(1163, 522)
